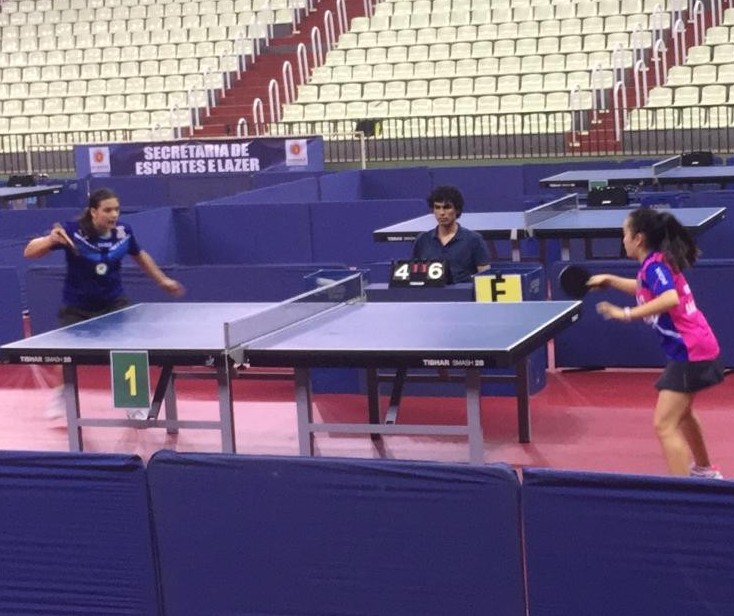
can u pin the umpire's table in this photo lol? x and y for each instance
(666, 172)
(564, 219)
(331, 326)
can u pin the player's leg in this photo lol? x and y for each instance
(691, 428)
(671, 408)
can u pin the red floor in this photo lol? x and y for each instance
(582, 420)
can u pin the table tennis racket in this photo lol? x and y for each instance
(573, 279)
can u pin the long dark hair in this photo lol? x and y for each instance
(85, 220)
(663, 233)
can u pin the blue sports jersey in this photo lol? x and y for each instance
(93, 277)
(466, 251)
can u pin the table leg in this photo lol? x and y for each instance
(523, 400)
(71, 399)
(373, 400)
(474, 416)
(304, 411)
(226, 414)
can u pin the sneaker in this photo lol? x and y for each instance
(706, 472)
(57, 408)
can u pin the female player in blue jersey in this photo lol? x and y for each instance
(664, 300)
(95, 246)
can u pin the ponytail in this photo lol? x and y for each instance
(664, 233)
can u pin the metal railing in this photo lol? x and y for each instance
(535, 135)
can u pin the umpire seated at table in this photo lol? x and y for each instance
(465, 250)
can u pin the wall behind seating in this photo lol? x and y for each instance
(403, 183)
(138, 193)
(312, 536)
(342, 231)
(306, 189)
(254, 233)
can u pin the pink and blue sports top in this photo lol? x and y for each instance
(684, 330)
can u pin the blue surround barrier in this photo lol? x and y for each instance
(608, 545)
(314, 536)
(76, 536)
(222, 534)
(11, 306)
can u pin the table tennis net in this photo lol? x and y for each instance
(327, 295)
(549, 210)
(666, 165)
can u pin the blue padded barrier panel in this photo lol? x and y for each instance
(254, 233)
(215, 283)
(11, 255)
(612, 545)
(192, 190)
(306, 189)
(154, 231)
(72, 195)
(404, 183)
(27, 224)
(618, 344)
(75, 536)
(11, 307)
(342, 231)
(271, 178)
(315, 536)
(718, 241)
(135, 193)
(491, 188)
(343, 186)
(186, 236)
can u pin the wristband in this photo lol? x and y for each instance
(627, 315)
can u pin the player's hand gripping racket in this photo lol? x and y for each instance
(574, 279)
(59, 229)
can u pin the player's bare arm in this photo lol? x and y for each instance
(149, 266)
(626, 285)
(662, 303)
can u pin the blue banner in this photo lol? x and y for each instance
(199, 157)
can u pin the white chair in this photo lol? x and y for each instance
(424, 70)
(680, 75)
(660, 96)
(507, 84)
(700, 54)
(466, 67)
(531, 82)
(487, 84)
(723, 53)
(531, 64)
(395, 90)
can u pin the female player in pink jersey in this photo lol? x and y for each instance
(664, 300)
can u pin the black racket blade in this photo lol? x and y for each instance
(573, 281)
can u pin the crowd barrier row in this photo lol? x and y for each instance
(226, 535)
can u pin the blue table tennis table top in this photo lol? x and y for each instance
(359, 334)
(715, 174)
(10, 193)
(581, 222)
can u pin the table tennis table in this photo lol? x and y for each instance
(666, 172)
(331, 326)
(563, 219)
(16, 193)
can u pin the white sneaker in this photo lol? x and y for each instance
(139, 414)
(706, 472)
(57, 407)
